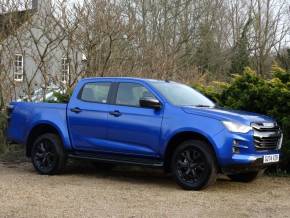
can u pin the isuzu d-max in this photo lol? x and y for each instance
(150, 123)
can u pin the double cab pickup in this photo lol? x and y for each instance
(146, 122)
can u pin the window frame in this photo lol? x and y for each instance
(16, 71)
(64, 74)
(109, 97)
(115, 94)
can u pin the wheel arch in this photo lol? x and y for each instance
(40, 129)
(180, 137)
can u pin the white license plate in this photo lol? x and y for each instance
(273, 158)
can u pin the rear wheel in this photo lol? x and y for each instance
(193, 165)
(244, 177)
(47, 155)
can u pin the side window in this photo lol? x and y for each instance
(95, 92)
(130, 94)
(18, 63)
(65, 69)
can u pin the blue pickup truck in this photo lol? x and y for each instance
(150, 123)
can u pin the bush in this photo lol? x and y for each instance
(212, 92)
(3, 124)
(252, 93)
(61, 97)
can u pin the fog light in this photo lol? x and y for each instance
(236, 150)
(235, 147)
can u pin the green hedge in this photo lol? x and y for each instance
(252, 93)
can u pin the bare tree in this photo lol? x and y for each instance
(269, 29)
(184, 40)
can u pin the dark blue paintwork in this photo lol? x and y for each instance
(139, 132)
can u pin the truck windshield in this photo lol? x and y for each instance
(182, 95)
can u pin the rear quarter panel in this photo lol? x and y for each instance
(26, 116)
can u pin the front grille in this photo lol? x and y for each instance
(267, 136)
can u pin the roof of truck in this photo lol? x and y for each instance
(123, 79)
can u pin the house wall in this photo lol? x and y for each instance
(23, 43)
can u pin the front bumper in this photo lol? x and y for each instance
(245, 156)
(247, 163)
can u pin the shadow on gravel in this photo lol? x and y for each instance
(83, 170)
(123, 173)
(15, 159)
(143, 176)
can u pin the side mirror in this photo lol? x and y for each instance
(149, 102)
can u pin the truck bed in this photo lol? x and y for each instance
(26, 115)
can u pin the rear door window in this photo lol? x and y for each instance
(95, 92)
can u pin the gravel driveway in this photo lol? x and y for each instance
(83, 191)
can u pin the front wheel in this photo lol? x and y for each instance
(245, 177)
(47, 155)
(193, 165)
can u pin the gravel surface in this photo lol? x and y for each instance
(83, 191)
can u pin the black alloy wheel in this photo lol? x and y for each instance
(47, 154)
(193, 165)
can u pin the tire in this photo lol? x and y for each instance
(193, 165)
(245, 177)
(47, 154)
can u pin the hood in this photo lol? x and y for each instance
(226, 114)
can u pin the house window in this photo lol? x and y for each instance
(18, 63)
(65, 69)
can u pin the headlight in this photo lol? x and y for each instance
(236, 127)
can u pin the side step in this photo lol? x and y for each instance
(113, 158)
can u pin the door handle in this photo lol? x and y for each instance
(115, 113)
(76, 110)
